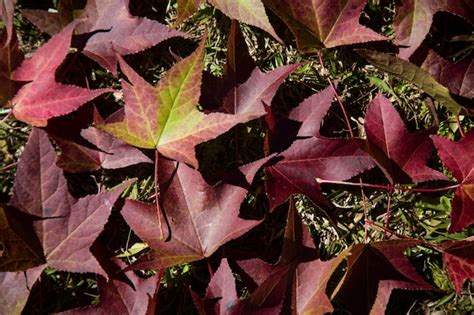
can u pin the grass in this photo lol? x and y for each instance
(412, 214)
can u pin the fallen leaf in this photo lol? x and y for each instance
(166, 118)
(323, 23)
(385, 128)
(20, 248)
(112, 153)
(373, 271)
(7, 8)
(44, 98)
(119, 32)
(459, 159)
(458, 258)
(409, 72)
(457, 77)
(308, 159)
(247, 11)
(201, 217)
(413, 19)
(186, 8)
(69, 226)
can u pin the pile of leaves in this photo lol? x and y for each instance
(236, 157)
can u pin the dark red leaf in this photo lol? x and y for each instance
(119, 297)
(413, 20)
(373, 271)
(459, 159)
(6, 12)
(201, 217)
(15, 288)
(458, 260)
(120, 32)
(323, 23)
(308, 159)
(69, 226)
(311, 112)
(20, 248)
(457, 77)
(385, 129)
(10, 58)
(112, 154)
(44, 98)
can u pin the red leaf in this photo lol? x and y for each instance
(119, 297)
(112, 154)
(201, 217)
(458, 260)
(70, 226)
(323, 23)
(311, 112)
(10, 58)
(384, 128)
(221, 295)
(413, 20)
(308, 159)
(44, 98)
(127, 34)
(459, 159)
(260, 87)
(238, 68)
(15, 288)
(305, 276)
(373, 271)
(6, 11)
(457, 77)
(50, 22)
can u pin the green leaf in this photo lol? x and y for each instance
(409, 72)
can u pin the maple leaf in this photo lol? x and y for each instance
(247, 11)
(221, 295)
(187, 8)
(132, 295)
(20, 247)
(258, 89)
(201, 217)
(69, 226)
(15, 288)
(312, 111)
(51, 22)
(385, 129)
(127, 35)
(457, 77)
(413, 20)
(323, 23)
(10, 58)
(6, 12)
(458, 258)
(238, 68)
(112, 154)
(307, 159)
(410, 72)
(314, 157)
(459, 159)
(44, 98)
(373, 271)
(166, 118)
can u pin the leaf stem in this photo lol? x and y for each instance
(459, 126)
(346, 118)
(157, 195)
(8, 166)
(387, 214)
(366, 214)
(387, 187)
